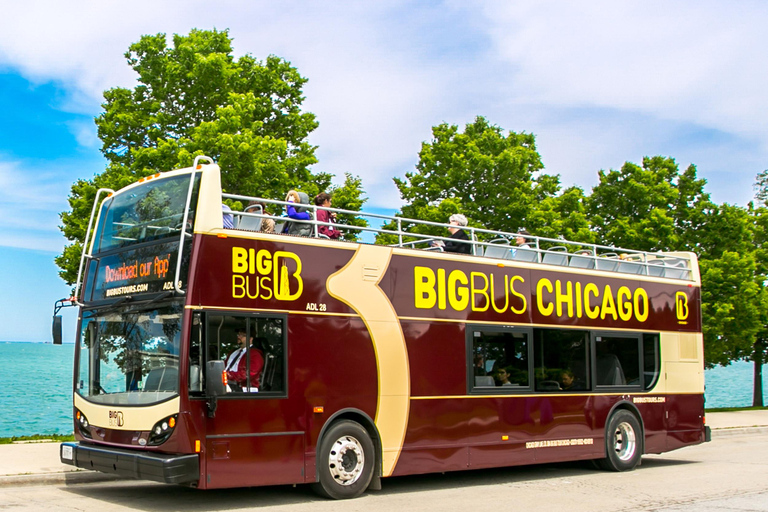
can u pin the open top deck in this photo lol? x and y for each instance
(484, 242)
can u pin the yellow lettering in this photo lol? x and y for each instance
(238, 282)
(264, 262)
(609, 306)
(625, 308)
(517, 294)
(458, 296)
(641, 302)
(479, 291)
(591, 289)
(493, 295)
(424, 287)
(564, 298)
(282, 289)
(441, 288)
(239, 260)
(578, 300)
(544, 283)
(266, 281)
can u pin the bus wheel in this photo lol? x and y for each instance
(346, 461)
(623, 442)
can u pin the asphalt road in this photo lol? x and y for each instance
(728, 474)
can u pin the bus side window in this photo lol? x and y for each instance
(617, 360)
(651, 363)
(500, 359)
(221, 337)
(560, 358)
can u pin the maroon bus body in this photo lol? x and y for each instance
(332, 365)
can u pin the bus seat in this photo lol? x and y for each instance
(163, 378)
(578, 261)
(608, 261)
(267, 373)
(484, 381)
(496, 251)
(525, 255)
(609, 371)
(250, 223)
(548, 385)
(656, 268)
(555, 256)
(630, 267)
(676, 270)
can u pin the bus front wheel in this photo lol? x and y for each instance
(346, 461)
(623, 442)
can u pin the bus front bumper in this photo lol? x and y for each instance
(157, 467)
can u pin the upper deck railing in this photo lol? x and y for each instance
(484, 242)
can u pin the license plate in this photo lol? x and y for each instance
(66, 452)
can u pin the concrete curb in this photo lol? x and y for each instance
(735, 431)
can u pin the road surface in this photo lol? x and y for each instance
(728, 474)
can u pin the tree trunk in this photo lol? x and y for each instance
(757, 357)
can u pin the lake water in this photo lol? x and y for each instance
(36, 384)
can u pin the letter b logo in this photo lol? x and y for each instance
(681, 306)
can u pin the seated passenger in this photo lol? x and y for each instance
(324, 200)
(502, 377)
(479, 367)
(267, 226)
(297, 212)
(521, 239)
(568, 381)
(458, 234)
(228, 219)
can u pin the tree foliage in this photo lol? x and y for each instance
(195, 98)
(492, 177)
(653, 207)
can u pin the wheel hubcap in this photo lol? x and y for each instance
(346, 460)
(624, 441)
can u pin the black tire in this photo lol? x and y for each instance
(345, 461)
(624, 442)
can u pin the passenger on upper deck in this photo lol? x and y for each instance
(227, 218)
(457, 234)
(297, 212)
(521, 239)
(324, 200)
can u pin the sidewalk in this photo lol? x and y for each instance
(39, 464)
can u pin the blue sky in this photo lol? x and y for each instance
(598, 83)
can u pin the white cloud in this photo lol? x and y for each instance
(598, 83)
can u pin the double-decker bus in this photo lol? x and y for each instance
(216, 358)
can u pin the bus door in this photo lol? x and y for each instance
(253, 437)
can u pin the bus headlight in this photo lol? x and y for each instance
(82, 424)
(162, 431)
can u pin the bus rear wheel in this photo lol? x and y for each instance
(345, 461)
(623, 442)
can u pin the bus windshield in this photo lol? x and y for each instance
(129, 356)
(150, 211)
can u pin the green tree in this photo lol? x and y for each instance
(195, 98)
(493, 178)
(349, 196)
(653, 207)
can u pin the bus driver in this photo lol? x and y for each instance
(237, 369)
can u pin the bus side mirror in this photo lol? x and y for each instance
(214, 379)
(56, 328)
